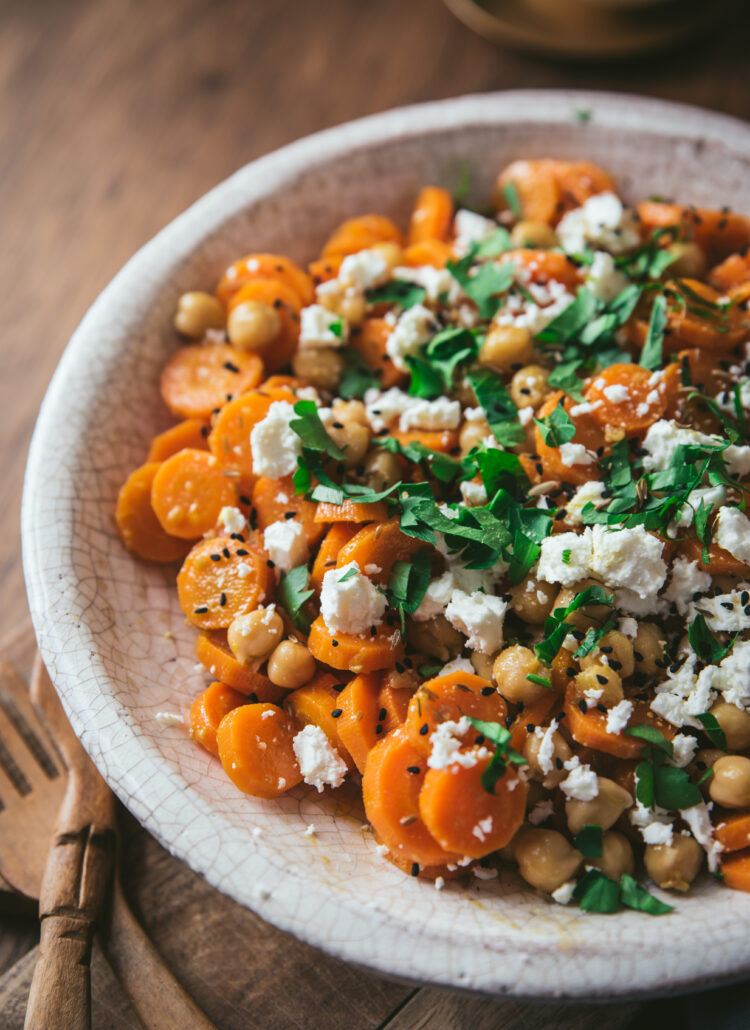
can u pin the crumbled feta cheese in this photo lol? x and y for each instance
(437, 282)
(628, 627)
(315, 327)
(685, 581)
(564, 893)
(520, 312)
(372, 570)
(480, 617)
(438, 414)
(457, 665)
(581, 783)
(439, 883)
(351, 606)
(541, 812)
(698, 819)
(546, 738)
(664, 437)
(446, 743)
(632, 603)
(436, 598)
(709, 496)
(724, 613)
(618, 717)
(683, 749)
(383, 408)
(364, 269)
(473, 493)
(629, 558)
(275, 446)
(286, 544)
(414, 328)
(732, 532)
(483, 873)
(576, 454)
(601, 221)
(320, 764)
(565, 558)
(232, 520)
(525, 415)
(654, 824)
(603, 277)
(593, 695)
(483, 828)
(590, 493)
(617, 393)
(657, 833)
(469, 227)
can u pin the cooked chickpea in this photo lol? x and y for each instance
(689, 261)
(506, 346)
(546, 859)
(529, 386)
(532, 600)
(674, 866)
(616, 857)
(604, 810)
(730, 783)
(536, 235)
(614, 650)
(382, 469)
(350, 437)
(561, 753)
(253, 636)
(511, 670)
(252, 325)
(196, 313)
(473, 431)
(391, 253)
(435, 638)
(482, 664)
(736, 724)
(590, 614)
(704, 760)
(350, 411)
(648, 648)
(320, 367)
(290, 665)
(600, 677)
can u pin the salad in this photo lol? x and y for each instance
(461, 518)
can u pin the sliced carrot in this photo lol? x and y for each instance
(264, 266)
(547, 188)
(718, 232)
(325, 269)
(435, 253)
(139, 528)
(541, 266)
(579, 180)
(358, 723)
(274, 499)
(339, 534)
(733, 271)
(207, 711)
(721, 562)
(222, 578)
(358, 654)
(462, 816)
(426, 872)
(432, 215)
(192, 433)
(629, 396)
(200, 378)
(212, 651)
(443, 440)
(393, 705)
(285, 301)
(689, 328)
(703, 370)
(359, 233)
(255, 748)
(229, 439)
(733, 833)
(314, 704)
(589, 433)
(533, 715)
(280, 382)
(188, 493)
(379, 544)
(736, 870)
(350, 512)
(391, 784)
(589, 728)
(369, 342)
(448, 697)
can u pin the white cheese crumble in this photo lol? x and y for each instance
(484, 873)
(285, 542)
(414, 328)
(436, 282)
(564, 893)
(473, 493)
(351, 606)
(724, 613)
(483, 828)
(384, 408)
(315, 327)
(438, 414)
(590, 493)
(275, 446)
(683, 749)
(546, 750)
(436, 598)
(320, 764)
(698, 819)
(520, 312)
(457, 665)
(654, 824)
(732, 532)
(232, 520)
(439, 883)
(601, 221)
(603, 277)
(629, 558)
(541, 812)
(576, 454)
(581, 783)
(664, 437)
(364, 269)
(685, 581)
(618, 717)
(469, 227)
(565, 558)
(480, 617)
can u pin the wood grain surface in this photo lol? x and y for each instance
(116, 114)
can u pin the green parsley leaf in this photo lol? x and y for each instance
(583, 115)
(595, 892)
(540, 681)
(426, 379)
(589, 841)
(652, 736)
(497, 734)
(357, 376)
(292, 594)
(442, 466)
(500, 470)
(644, 783)
(501, 412)
(714, 731)
(556, 628)
(651, 355)
(632, 895)
(427, 669)
(409, 581)
(448, 349)
(563, 377)
(496, 243)
(705, 644)
(556, 428)
(397, 291)
(483, 287)
(336, 327)
(510, 192)
(571, 321)
(565, 556)
(311, 431)
(349, 574)
(673, 789)
(593, 635)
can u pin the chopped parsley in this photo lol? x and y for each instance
(397, 291)
(292, 595)
(497, 734)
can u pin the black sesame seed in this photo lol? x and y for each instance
(506, 597)
(601, 708)
(415, 869)
(253, 697)
(729, 605)
(223, 599)
(289, 514)
(744, 597)
(424, 729)
(601, 679)
(239, 537)
(614, 664)
(570, 671)
(201, 610)
(479, 739)
(378, 728)
(559, 763)
(373, 631)
(336, 713)
(530, 727)
(382, 715)
(225, 552)
(583, 706)
(334, 643)
(606, 649)
(271, 564)
(487, 691)
(399, 667)
(230, 367)
(413, 769)
(205, 430)
(215, 557)
(241, 552)
(638, 656)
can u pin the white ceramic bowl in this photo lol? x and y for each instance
(117, 646)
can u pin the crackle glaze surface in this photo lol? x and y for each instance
(116, 642)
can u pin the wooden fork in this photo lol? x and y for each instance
(43, 786)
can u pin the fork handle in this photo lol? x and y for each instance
(60, 995)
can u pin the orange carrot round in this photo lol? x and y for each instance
(589, 433)
(541, 266)
(139, 528)
(733, 832)
(379, 544)
(432, 215)
(192, 433)
(393, 705)
(589, 728)
(274, 500)
(360, 233)
(339, 534)
(207, 711)
(736, 870)
(314, 704)
(718, 232)
(351, 512)
(369, 342)
(358, 724)
(435, 253)
(355, 653)
(721, 562)
(188, 493)
(200, 378)
(628, 396)
(255, 748)
(222, 578)
(229, 439)
(448, 697)
(264, 266)
(212, 651)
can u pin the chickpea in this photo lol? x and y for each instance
(252, 325)
(546, 859)
(350, 411)
(730, 783)
(561, 753)
(704, 760)
(353, 307)
(532, 600)
(435, 638)
(689, 262)
(511, 669)
(320, 367)
(391, 253)
(590, 614)
(529, 386)
(506, 346)
(648, 648)
(197, 312)
(616, 857)
(482, 664)
(614, 650)
(736, 724)
(605, 809)
(536, 235)
(473, 431)
(674, 866)
(352, 438)
(382, 469)
(253, 636)
(290, 665)
(600, 677)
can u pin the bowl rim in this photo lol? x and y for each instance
(371, 940)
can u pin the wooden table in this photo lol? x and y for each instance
(116, 114)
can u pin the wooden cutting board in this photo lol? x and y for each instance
(247, 975)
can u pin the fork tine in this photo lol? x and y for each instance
(27, 748)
